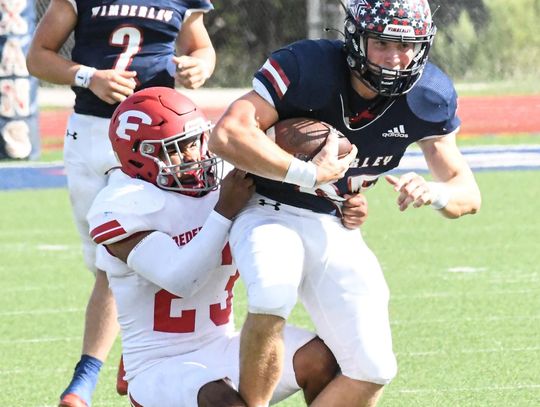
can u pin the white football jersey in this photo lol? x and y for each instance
(155, 323)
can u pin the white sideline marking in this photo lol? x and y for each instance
(470, 319)
(49, 371)
(483, 157)
(48, 287)
(53, 247)
(446, 294)
(31, 164)
(41, 312)
(101, 403)
(471, 389)
(19, 247)
(466, 269)
(41, 340)
(449, 351)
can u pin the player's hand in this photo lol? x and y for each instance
(354, 210)
(236, 189)
(330, 168)
(113, 86)
(191, 72)
(413, 189)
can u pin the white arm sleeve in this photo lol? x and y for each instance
(181, 271)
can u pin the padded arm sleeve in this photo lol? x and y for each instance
(181, 271)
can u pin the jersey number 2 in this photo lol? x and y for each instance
(185, 322)
(130, 38)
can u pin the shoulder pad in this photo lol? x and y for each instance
(122, 208)
(433, 98)
(319, 63)
(311, 69)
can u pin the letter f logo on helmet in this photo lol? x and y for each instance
(124, 124)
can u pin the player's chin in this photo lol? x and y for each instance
(188, 180)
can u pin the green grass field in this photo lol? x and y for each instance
(464, 307)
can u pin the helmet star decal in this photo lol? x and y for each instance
(376, 16)
(358, 4)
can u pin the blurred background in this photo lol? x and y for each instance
(477, 40)
(490, 48)
(465, 299)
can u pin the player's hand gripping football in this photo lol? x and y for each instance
(113, 86)
(413, 189)
(235, 191)
(330, 168)
(192, 72)
(354, 210)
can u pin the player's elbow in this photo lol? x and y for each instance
(476, 203)
(32, 64)
(475, 199)
(222, 139)
(36, 61)
(187, 287)
(470, 206)
(217, 140)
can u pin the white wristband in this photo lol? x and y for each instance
(301, 173)
(83, 76)
(441, 195)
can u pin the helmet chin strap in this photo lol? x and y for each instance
(377, 107)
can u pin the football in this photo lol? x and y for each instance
(304, 138)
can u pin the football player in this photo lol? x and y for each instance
(162, 227)
(377, 88)
(120, 46)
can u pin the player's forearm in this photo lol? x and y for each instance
(51, 67)
(181, 271)
(249, 149)
(464, 197)
(208, 56)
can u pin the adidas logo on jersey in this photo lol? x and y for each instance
(398, 131)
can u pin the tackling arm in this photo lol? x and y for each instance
(155, 256)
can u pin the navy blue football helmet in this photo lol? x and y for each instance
(388, 20)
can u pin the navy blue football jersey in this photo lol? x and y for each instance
(133, 35)
(310, 78)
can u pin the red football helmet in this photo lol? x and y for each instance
(388, 20)
(150, 132)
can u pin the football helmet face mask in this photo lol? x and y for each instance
(154, 134)
(406, 21)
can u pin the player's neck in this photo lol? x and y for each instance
(361, 89)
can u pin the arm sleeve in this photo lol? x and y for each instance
(181, 271)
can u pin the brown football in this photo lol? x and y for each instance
(304, 138)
